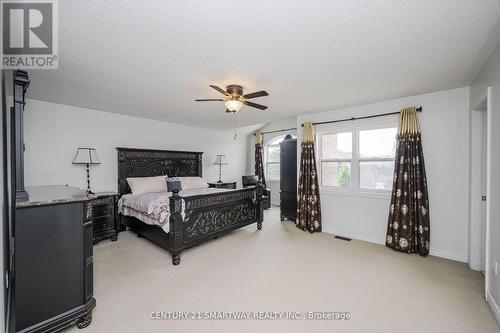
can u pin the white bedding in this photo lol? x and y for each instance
(154, 208)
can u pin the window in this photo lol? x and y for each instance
(377, 149)
(359, 158)
(336, 159)
(272, 158)
(273, 162)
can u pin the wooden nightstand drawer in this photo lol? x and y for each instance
(103, 211)
(102, 224)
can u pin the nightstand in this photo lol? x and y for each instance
(228, 185)
(104, 209)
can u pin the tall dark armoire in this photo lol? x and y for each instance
(288, 178)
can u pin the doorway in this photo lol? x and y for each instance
(479, 174)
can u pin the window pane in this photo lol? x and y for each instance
(336, 146)
(276, 141)
(273, 154)
(336, 174)
(273, 171)
(376, 175)
(377, 143)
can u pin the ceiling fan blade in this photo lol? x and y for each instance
(219, 90)
(256, 94)
(255, 105)
(228, 111)
(209, 99)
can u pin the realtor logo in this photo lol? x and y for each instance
(29, 34)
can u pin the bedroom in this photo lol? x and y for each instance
(117, 105)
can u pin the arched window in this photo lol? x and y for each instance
(272, 158)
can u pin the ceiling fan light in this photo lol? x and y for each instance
(233, 105)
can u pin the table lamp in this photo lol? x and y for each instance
(88, 157)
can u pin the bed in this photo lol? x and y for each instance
(193, 217)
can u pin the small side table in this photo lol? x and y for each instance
(104, 219)
(228, 185)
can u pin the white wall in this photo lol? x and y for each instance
(489, 76)
(54, 131)
(272, 185)
(445, 131)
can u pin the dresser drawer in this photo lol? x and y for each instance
(102, 211)
(103, 224)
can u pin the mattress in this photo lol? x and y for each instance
(154, 208)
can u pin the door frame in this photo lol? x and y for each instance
(480, 173)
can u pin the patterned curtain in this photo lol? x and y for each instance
(259, 158)
(408, 228)
(309, 206)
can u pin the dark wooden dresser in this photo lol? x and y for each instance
(53, 282)
(228, 185)
(288, 178)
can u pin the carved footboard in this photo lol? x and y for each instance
(208, 216)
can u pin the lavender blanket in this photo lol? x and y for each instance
(154, 208)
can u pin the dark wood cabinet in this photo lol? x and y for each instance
(53, 281)
(288, 178)
(228, 185)
(49, 269)
(105, 217)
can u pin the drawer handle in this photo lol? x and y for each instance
(103, 212)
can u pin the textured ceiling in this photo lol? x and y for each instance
(152, 58)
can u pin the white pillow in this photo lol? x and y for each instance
(191, 182)
(141, 185)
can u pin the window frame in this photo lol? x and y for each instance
(267, 162)
(272, 143)
(338, 160)
(355, 128)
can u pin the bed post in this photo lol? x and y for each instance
(260, 205)
(175, 232)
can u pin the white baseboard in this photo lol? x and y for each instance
(356, 236)
(494, 308)
(448, 255)
(433, 252)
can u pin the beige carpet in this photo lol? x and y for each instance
(284, 269)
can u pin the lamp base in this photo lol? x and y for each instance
(220, 181)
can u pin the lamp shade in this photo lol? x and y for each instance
(86, 156)
(220, 160)
(233, 105)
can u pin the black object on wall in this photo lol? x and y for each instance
(288, 178)
(21, 83)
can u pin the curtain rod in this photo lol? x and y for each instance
(281, 130)
(419, 109)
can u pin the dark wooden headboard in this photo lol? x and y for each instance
(149, 163)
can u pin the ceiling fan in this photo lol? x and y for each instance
(235, 99)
